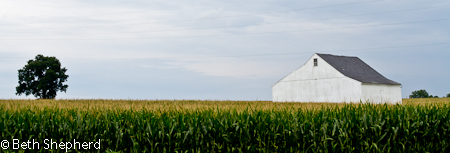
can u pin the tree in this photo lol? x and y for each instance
(431, 96)
(419, 94)
(448, 95)
(42, 77)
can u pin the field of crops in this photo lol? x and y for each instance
(419, 125)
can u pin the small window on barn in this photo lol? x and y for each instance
(315, 62)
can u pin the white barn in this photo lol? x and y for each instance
(331, 78)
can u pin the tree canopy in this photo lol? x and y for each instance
(419, 94)
(42, 77)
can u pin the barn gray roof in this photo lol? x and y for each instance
(355, 68)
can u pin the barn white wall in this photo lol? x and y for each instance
(321, 90)
(322, 83)
(379, 93)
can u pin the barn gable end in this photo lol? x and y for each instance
(321, 83)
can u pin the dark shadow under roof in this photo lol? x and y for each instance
(355, 68)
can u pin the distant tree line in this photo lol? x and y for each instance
(423, 94)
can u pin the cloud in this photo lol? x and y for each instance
(230, 67)
(186, 38)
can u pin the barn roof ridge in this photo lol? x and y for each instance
(355, 68)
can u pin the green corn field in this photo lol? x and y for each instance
(214, 126)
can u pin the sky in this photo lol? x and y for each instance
(219, 50)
